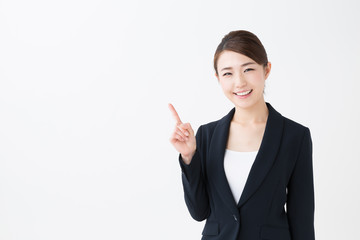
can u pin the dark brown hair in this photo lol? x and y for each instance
(243, 42)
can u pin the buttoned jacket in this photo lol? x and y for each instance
(277, 202)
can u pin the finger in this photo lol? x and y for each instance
(175, 137)
(187, 127)
(190, 129)
(183, 135)
(180, 138)
(179, 131)
(182, 130)
(174, 113)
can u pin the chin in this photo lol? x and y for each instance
(246, 104)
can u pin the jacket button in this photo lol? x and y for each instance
(235, 218)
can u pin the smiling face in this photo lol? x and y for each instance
(242, 79)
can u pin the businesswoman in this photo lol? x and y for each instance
(249, 174)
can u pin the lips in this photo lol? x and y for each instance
(243, 93)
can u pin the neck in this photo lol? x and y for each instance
(257, 113)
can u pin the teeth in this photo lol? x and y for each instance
(243, 93)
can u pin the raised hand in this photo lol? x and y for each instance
(183, 138)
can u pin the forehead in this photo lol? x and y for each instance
(232, 59)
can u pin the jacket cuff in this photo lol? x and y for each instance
(192, 170)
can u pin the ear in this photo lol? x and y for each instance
(217, 76)
(267, 70)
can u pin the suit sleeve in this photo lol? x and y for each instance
(300, 198)
(193, 180)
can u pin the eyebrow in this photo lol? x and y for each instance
(243, 65)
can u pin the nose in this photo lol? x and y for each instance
(240, 80)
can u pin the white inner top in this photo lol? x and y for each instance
(237, 166)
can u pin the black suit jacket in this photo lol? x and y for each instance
(282, 173)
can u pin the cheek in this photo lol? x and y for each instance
(226, 88)
(226, 85)
(258, 79)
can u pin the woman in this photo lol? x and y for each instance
(240, 171)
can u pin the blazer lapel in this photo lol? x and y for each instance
(215, 163)
(266, 155)
(262, 164)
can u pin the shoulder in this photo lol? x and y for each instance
(225, 120)
(288, 124)
(294, 124)
(207, 129)
(211, 126)
(295, 130)
(291, 124)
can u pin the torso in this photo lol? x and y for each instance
(245, 138)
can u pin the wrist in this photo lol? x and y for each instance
(187, 158)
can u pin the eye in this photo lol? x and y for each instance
(248, 69)
(227, 74)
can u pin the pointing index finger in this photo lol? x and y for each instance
(174, 113)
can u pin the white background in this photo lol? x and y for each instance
(84, 122)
